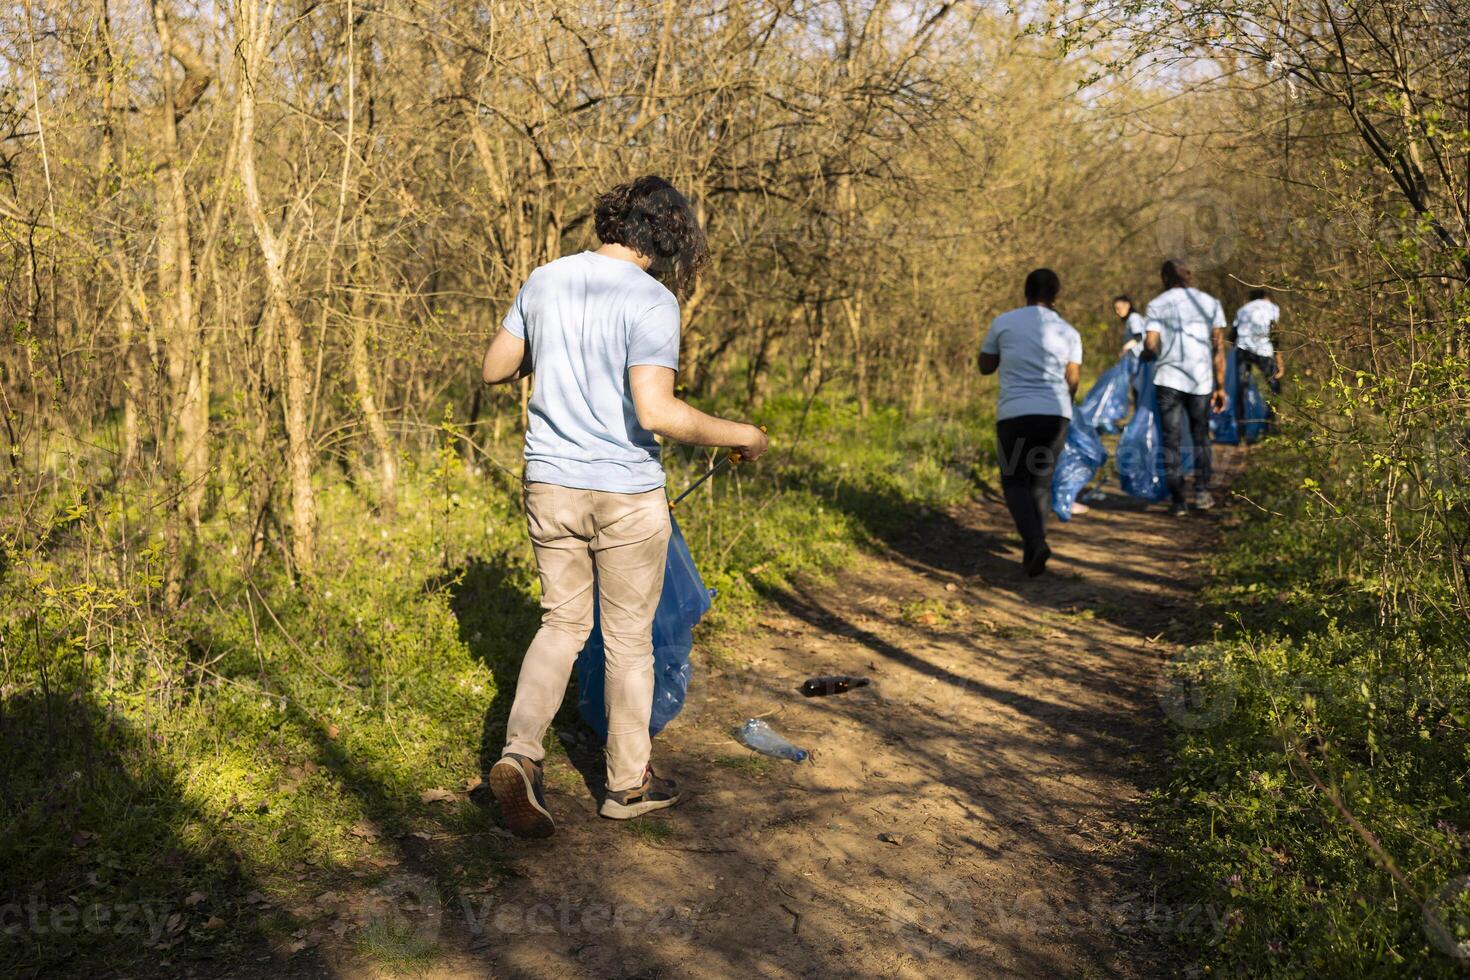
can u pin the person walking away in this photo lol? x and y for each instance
(1186, 334)
(601, 334)
(1039, 357)
(1253, 348)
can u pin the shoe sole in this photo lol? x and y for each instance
(511, 786)
(614, 810)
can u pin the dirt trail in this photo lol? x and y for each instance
(1001, 750)
(969, 814)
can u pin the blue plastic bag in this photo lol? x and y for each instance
(1079, 461)
(681, 605)
(1253, 412)
(1223, 427)
(1140, 461)
(1105, 407)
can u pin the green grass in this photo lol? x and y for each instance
(650, 830)
(747, 766)
(397, 946)
(1317, 803)
(269, 742)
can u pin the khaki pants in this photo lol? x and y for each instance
(626, 537)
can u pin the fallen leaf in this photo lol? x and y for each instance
(365, 830)
(194, 898)
(437, 796)
(893, 839)
(214, 922)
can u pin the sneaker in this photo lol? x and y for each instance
(1203, 500)
(1036, 560)
(1178, 509)
(516, 783)
(656, 793)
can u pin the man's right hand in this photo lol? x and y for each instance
(754, 446)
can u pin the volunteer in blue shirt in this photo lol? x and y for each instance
(1134, 325)
(1186, 333)
(601, 333)
(1039, 357)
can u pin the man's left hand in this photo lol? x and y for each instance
(1219, 401)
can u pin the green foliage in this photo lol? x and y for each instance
(1317, 802)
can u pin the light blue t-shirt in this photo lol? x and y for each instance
(587, 319)
(1253, 323)
(1185, 319)
(1034, 346)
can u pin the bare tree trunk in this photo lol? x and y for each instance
(253, 40)
(187, 425)
(852, 309)
(362, 379)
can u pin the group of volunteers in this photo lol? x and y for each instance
(599, 330)
(1038, 357)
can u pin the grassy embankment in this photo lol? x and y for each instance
(1317, 803)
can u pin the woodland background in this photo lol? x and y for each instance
(250, 253)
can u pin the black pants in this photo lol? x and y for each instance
(1176, 410)
(1245, 360)
(1029, 446)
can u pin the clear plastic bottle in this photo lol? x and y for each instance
(756, 734)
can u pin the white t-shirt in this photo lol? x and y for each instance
(1184, 319)
(588, 318)
(1035, 346)
(1253, 323)
(1134, 327)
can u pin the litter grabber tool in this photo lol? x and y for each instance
(730, 458)
(682, 603)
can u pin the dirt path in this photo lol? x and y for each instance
(967, 815)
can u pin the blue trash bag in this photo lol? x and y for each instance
(681, 605)
(1106, 405)
(1223, 427)
(1253, 412)
(1140, 461)
(1080, 459)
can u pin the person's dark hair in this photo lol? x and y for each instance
(1125, 298)
(648, 215)
(1176, 274)
(1258, 294)
(1042, 286)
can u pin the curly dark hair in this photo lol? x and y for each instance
(648, 215)
(1176, 274)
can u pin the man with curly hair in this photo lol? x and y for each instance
(601, 334)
